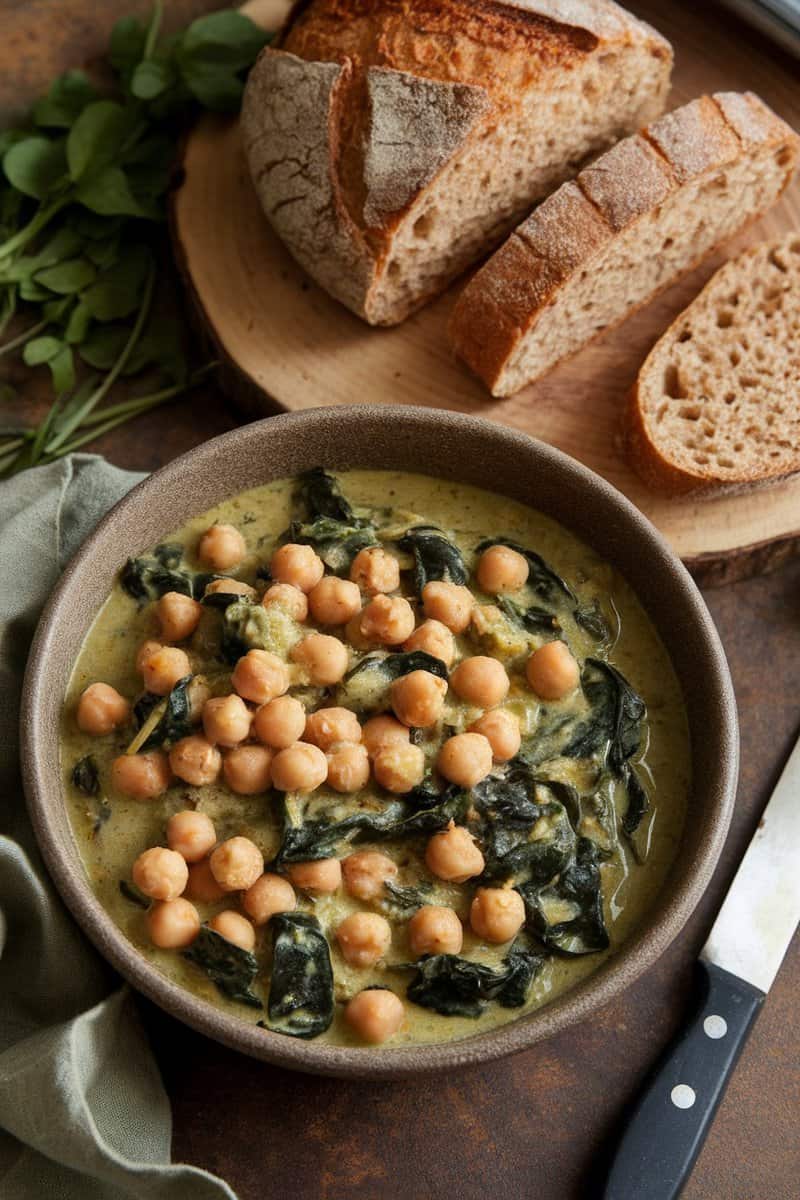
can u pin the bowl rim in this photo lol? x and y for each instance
(668, 912)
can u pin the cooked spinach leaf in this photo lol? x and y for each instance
(512, 808)
(435, 556)
(403, 902)
(301, 988)
(86, 775)
(541, 578)
(319, 837)
(614, 723)
(638, 801)
(169, 554)
(230, 967)
(568, 914)
(176, 722)
(149, 579)
(132, 893)
(535, 618)
(249, 626)
(366, 688)
(591, 618)
(330, 525)
(456, 987)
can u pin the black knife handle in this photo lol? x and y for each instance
(674, 1114)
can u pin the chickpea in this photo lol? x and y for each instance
(387, 619)
(418, 698)
(334, 601)
(501, 569)
(226, 720)
(247, 769)
(375, 1014)
(194, 760)
(382, 731)
(552, 671)
(327, 726)
(230, 587)
(434, 929)
(236, 864)
(375, 571)
(142, 776)
(399, 768)
(163, 668)
(353, 635)
(280, 722)
(465, 759)
(348, 767)
(202, 885)
(260, 676)
(452, 855)
(497, 914)
(299, 768)
(363, 938)
(178, 616)
(173, 924)
(268, 895)
(325, 658)
(501, 729)
(297, 565)
(234, 928)
(221, 547)
(191, 834)
(145, 653)
(365, 872)
(449, 603)
(481, 681)
(160, 873)
(434, 638)
(320, 876)
(101, 709)
(289, 598)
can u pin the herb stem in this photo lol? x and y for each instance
(34, 226)
(153, 30)
(25, 336)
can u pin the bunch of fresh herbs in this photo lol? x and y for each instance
(83, 192)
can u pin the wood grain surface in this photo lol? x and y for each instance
(536, 1127)
(286, 342)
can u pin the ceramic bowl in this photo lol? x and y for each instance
(451, 446)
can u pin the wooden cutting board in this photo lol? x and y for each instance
(286, 344)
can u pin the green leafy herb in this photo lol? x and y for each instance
(366, 688)
(614, 724)
(401, 902)
(329, 525)
(148, 579)
(301, 986)
(435, 556)
(591, 618)
(534, 618)
(83, 186)
(86, 776)
(457, 987)
(132, 893)
(230, 967)
(568, 914)
(176, 722)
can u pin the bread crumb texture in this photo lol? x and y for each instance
(717, 402)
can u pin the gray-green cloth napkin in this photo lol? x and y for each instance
(83, 1113)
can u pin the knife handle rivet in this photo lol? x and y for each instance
(682, 1096)
(715, 1026)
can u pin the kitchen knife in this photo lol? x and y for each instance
(739, 962)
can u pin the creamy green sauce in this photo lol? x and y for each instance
(112, 830)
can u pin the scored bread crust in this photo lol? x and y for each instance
(355, 111)
(771, 271)
(505, 300)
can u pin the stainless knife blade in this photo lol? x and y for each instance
(762, 908)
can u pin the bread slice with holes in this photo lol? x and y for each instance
(393, 144)
(717, 402)
(630, 224)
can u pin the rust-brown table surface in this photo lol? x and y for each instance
(539, 1125)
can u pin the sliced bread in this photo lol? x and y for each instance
(393, 144)
(645, 212)
(717, 401)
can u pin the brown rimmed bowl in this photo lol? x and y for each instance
(450, 446)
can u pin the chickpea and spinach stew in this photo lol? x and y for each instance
(346, 761)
